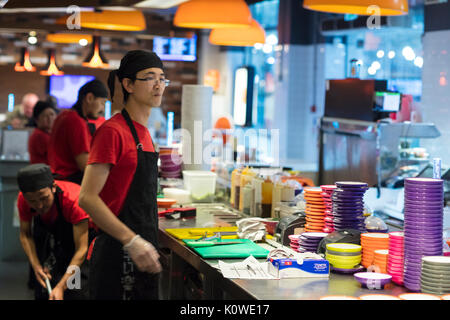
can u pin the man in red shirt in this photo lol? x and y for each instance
(71, 135)
(53, 231)
(120, 185)
(44, 115)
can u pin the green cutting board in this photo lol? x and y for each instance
(230, 251)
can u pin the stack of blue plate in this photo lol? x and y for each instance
(348, 205)
(423, 226)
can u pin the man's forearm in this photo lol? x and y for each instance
(30, 249)
(77, 260)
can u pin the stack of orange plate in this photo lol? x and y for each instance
(381, 260)
(315, 209)
(371, 242)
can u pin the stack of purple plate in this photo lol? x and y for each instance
(423, 225)
(171, 162)
(309, 241)
(348, 205)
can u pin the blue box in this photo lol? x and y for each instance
(291, 268)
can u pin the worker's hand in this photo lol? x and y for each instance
(57, 293)
(144, 255)
(41, 274)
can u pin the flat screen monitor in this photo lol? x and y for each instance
(65, 88)
(15, 144)
(387, 101)
(175, 49)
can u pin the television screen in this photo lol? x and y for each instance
(175, 49)
(65, 88)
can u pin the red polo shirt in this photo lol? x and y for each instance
(69, 138)
(68, 199)
(37, 146)
(113, 143)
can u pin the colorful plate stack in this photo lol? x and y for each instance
(348, 206)
(381, 260)
(295, 241)
(371, 242)
(435, 275)
(423, 226)
(327, 193)
(395, 259)
(309, 241)
(171, 162)
(344, 257)
(315, 209)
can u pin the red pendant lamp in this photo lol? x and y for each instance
(95, 59)
(51, 68)
(25, 63)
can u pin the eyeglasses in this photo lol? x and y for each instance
(162, 82)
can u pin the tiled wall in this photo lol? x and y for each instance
(435, 102)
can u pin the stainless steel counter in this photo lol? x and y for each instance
(217, 287)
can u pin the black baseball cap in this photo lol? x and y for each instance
(34, 177)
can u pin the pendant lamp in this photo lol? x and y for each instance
(95, 59)
(212, 14)
(242, 37)
(51, 68)
(360, 7)
(126, 20)
(25, 63)
(68, 37)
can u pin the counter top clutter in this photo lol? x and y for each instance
(413, 258)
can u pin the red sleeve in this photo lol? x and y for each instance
(24, 209)
(106, 146)
(78, 134)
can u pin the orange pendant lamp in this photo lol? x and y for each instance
(125, 20)
(360, 7)
(95, 59)
(212, 14)
(68, 37)
(25, 63)
(241, 37)
(51, 69)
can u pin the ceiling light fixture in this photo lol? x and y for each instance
(25, 63)
(95, 59)
(360, 7)
(69, 37)
(51, 68)
(242, 37)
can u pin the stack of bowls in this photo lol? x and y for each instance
(315, 209)
(371, 242)
(423, 226)
(395, 259)
(171, 162)
(435, 275)
(295, 241)
(309, 241)
(344, 257)
(327, 193)
(348, 205)
(381, 260)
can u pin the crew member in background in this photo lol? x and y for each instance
(44, 115)
(22, 115)
(53, 232)
(71, 135)
(120, 185)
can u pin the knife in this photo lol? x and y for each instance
(211, 243)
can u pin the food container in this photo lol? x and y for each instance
(201, 185)
(181, 196)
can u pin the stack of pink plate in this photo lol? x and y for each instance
(171, 162)
(327, 198)
(395, 258)
(295, 241)
(423, 225)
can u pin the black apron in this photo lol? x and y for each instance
(55, 249)
(113, 275)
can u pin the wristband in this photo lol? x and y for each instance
(129, 244)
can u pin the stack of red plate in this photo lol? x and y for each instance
(371, 242)
(315, 209)
(295, 241)
(381, 260)
(327, 193)
(395, 259)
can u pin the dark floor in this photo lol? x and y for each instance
(13, 281)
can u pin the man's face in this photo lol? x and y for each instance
(149, 91)
(28, 103)
(95, 106)
(41, 200)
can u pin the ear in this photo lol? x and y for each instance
(127, 84)
(89, 97)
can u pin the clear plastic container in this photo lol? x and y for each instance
(201, 185)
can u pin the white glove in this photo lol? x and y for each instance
(143, 254)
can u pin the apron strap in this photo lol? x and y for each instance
(132, 128)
